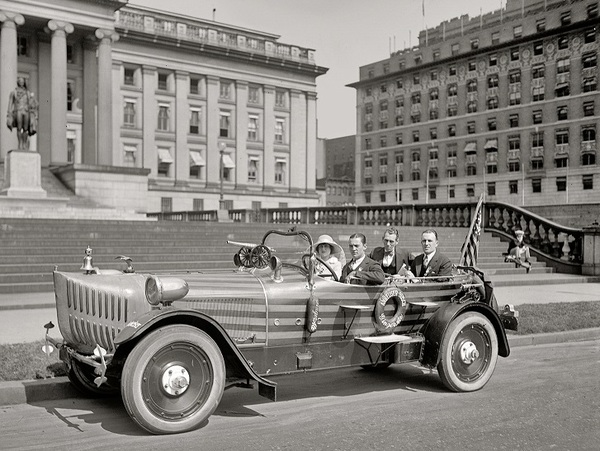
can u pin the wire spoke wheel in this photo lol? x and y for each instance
(173, 379)
(468, 353)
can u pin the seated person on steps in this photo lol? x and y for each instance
(518, 252)
(332, 254)
(391, 258)
(431, 263)
(361, 270)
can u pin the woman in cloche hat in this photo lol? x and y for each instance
(332, 254)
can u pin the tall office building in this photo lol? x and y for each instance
(154, 111)
(502, 104)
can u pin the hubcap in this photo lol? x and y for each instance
(468, 352)
(175, 380)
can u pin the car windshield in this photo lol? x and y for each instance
(289, 247)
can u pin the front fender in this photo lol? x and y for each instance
(437, 325)
(237, 365)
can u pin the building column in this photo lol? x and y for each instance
(213, 176)
(90, 84)
(149, 117)
(105, 132)
(8, 74)
(241, 136)
(311, 141)
(58, 95)
(269, 140)
(299, 141)
(182, 127)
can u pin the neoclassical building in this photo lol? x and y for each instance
(502, 104)
(150, 110)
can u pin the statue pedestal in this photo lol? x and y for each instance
(23, 175)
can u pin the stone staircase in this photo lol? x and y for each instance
(60, 203)
(30, 248)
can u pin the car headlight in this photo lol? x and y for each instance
(165, 289)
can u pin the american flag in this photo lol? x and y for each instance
(470, 248)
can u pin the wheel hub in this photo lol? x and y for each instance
(175, 380)
(468, 352)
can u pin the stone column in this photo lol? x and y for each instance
(8, 75)
(269, 139)
(311, 141)
(149, 113)
(241, 135)
(90, 85)
(212, 131)
(58, 96)
(299, 142)
(182, 126)
(105, 132)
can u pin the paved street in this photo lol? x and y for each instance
(540, 398)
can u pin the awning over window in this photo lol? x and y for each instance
(560, 86)
(196, 158)
(228, 162)
(491, 144)
(432, 149)
(280, 160)
(471, 148)
(164, 156)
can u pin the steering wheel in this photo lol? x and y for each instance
(324, 263)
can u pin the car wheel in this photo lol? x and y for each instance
(468, 353)
(82, 377)
(173, 380)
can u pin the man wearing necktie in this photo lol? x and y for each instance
(361, 270)
(390, 256)
(430, 263)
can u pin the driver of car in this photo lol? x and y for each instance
(331, 253)
(361, 270)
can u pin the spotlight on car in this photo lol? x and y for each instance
(165, 289)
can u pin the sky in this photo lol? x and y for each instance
(346, 34)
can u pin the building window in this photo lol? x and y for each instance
(433, 75)
(452, 89)
(538, 94)
(493, 60)
(451, 173)
(163, 118)
(562, 137)
(470, 128)
(280, 99)
(382, 197)
(252, 169)
(513, 120)
(197, 204)
(514, 54)
(253, 95)
(451, 191)
(399, 138)
(537, 164)
(492, 168)
(474, 44)
(415, 98)
(492, 103)
(563, 65)
(415, 193)
(561, 162)
(415, 118)
(471, 65)
(197, 164)
(514, 98)
(536, 185)
(471, 170)
(588, 108)
(589, 84)
(563, 43)
(452, 70)
(538, 71)
(434, 114)
(538, 48)
(225, 90)
(224, 124)
(195, 114)
(492, 124)
(252, 127)
(368, 144)
(588, 159)
(383, 141)
(383, 88)
(561, 183)
(472, 107)
(129, 76)
(565, 18)
(163, 81)
(514, 166)
(280, 169)
(399, 83)
(279, 130)
(517, 31)
(514, 77)
(194, 85)
(416, 79)
(165, 160)
(470, 190)
(129, 113)
(433, 94)
(592, 10)
(433, 133)
(166, 204)
(70, 95)
(513, 187)
(418, 60)
(537, 116)
(415, 136)
(472, 85)
(23, 46)
(589, 60)
(368, 91)
(537, 139)
(455, 48)
(451, 130)
(436, 55)
(495, 37)
(491, 188)
(540, 25)
(562, 113)
(589, 35)
(129, 155)
(452, 110)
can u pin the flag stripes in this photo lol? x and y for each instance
(470, 248)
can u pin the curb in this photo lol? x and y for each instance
(34, 391)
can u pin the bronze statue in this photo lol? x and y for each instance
(22, 113)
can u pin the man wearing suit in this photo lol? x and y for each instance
(389, 256)
(430, 263)
(361, 270)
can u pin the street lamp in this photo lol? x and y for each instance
(222, 147)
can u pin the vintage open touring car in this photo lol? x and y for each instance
(171, 343)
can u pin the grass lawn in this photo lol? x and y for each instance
(24, 361)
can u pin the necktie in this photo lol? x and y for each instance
(426, 261)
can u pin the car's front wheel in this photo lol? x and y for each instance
(468, 353)
(173, 380)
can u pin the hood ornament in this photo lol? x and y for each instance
(127, 260)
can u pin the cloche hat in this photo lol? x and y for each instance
(336, 249)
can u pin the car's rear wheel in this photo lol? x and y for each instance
(468, 353)
(173, 380)
(82, 377)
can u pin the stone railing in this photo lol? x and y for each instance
(185, 216)
(559, 246)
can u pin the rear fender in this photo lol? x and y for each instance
(436, 327)
(236, 363)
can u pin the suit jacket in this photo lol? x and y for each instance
(400, 257)
(368, 273)
(440, 265)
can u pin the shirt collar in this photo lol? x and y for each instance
(356, 263)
